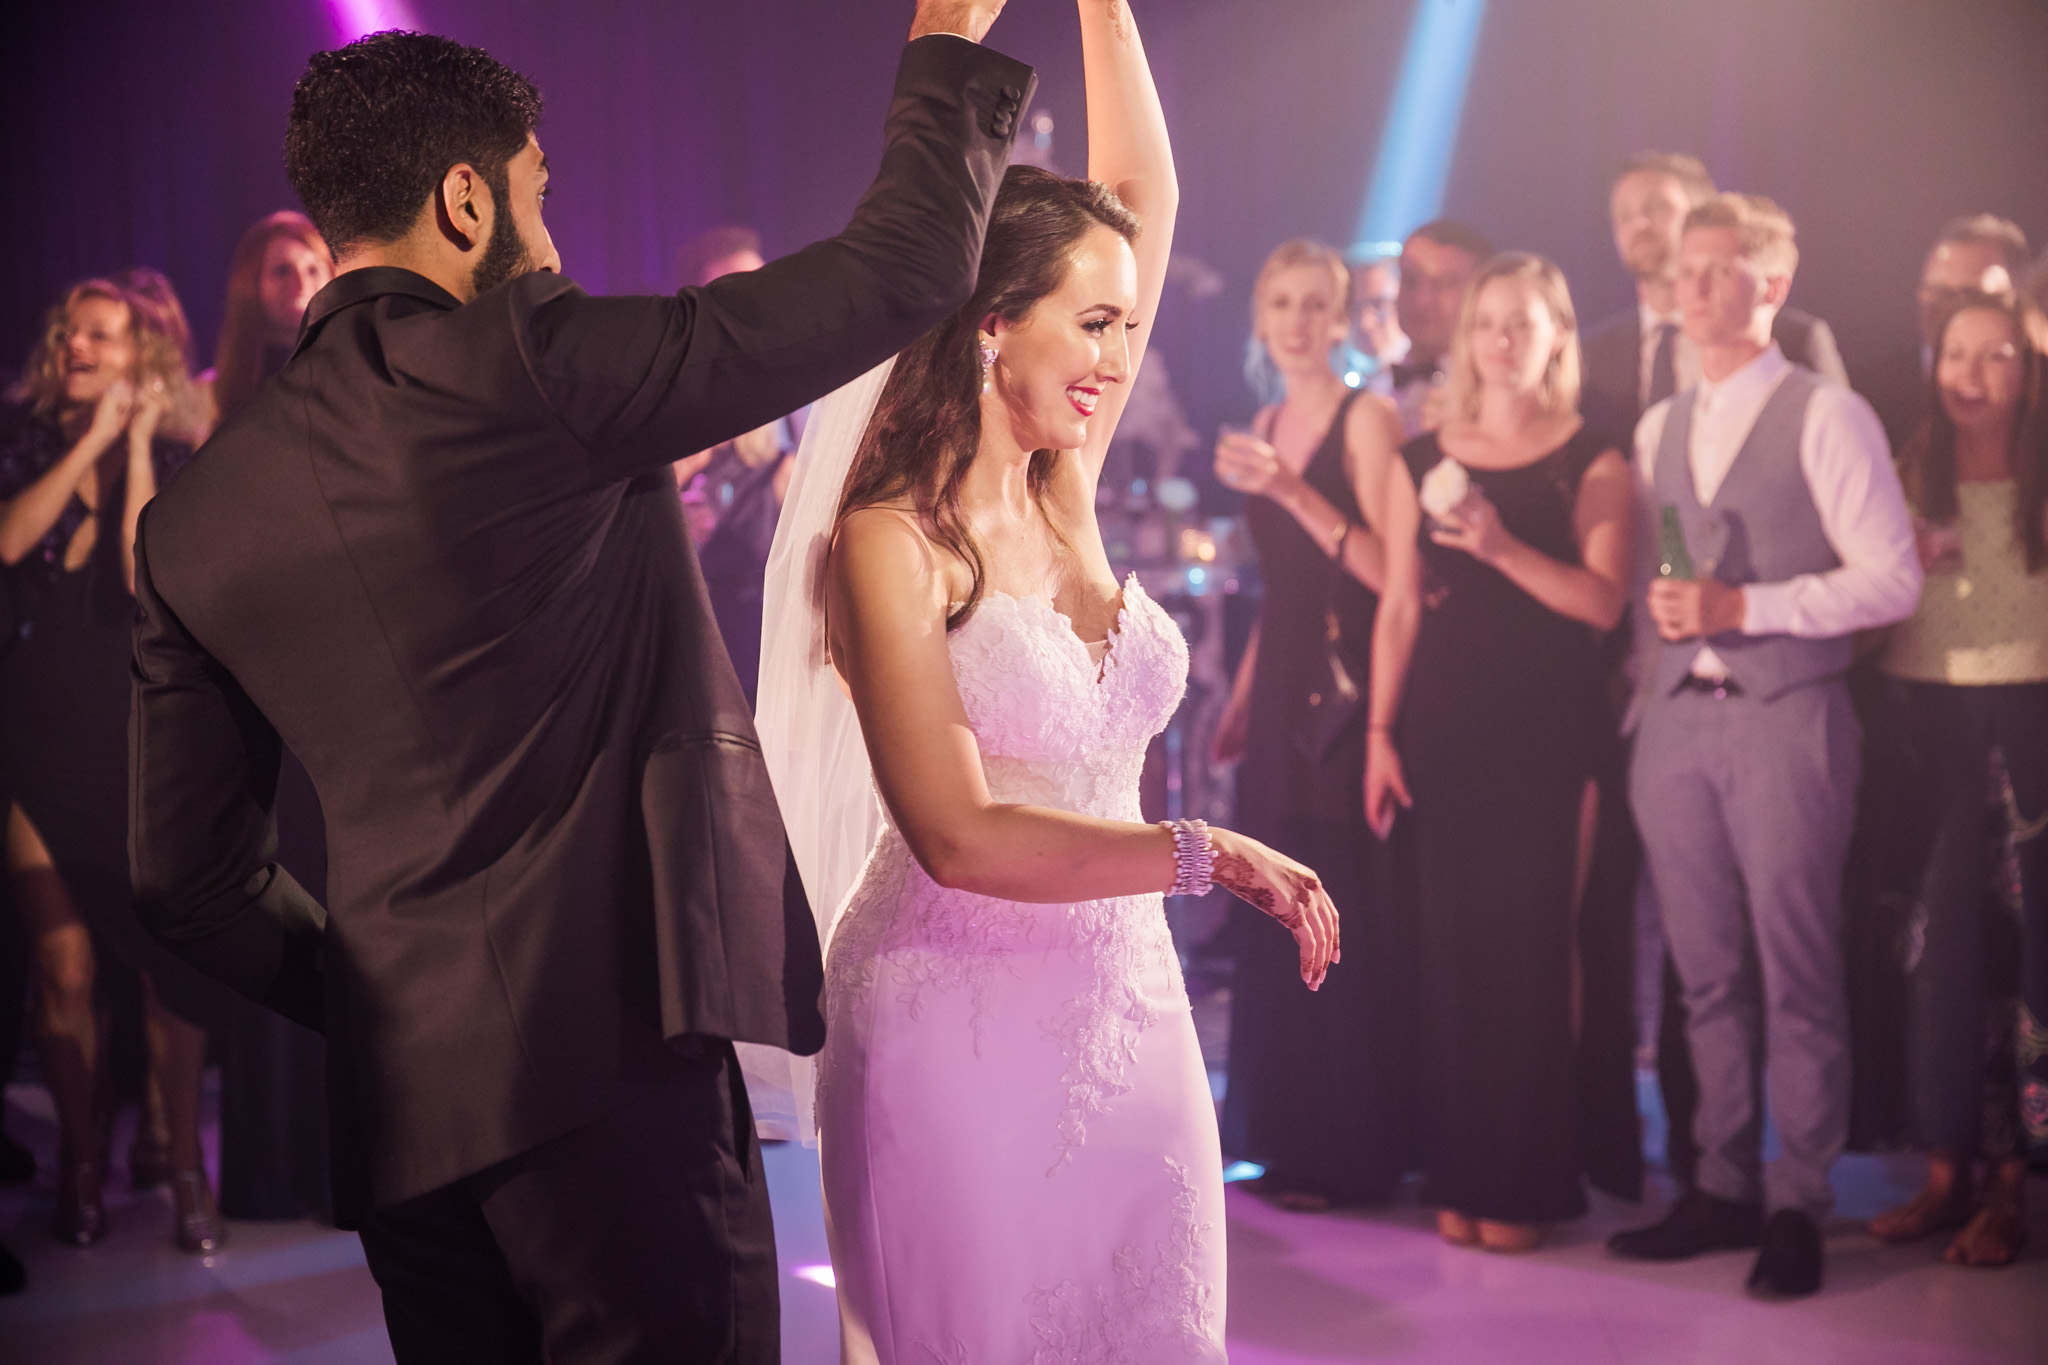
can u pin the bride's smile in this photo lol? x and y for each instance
(1053, 367)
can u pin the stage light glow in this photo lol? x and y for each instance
(354, 18)
(1422, 123)
(817, 1274)
(1242, 1170)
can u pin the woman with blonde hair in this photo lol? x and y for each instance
(1319, 1083)
(100, 418)
(1507, 552)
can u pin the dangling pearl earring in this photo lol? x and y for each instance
(988, 360)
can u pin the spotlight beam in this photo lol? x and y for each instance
(1422, 123)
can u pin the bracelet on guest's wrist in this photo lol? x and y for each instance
(1194, 856)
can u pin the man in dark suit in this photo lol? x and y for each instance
(1980, 252)
(1630, 362)
(440, 556)
(1438, 262)
(1640, 356)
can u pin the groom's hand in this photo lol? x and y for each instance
(968, 18)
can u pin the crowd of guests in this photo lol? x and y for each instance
(108, 408)
(1562, 622)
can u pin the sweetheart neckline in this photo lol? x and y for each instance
(1116, 627)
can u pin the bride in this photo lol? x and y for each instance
(1018, 1142)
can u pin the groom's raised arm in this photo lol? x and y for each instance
(643, 381)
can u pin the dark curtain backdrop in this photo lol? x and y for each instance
(149, 134)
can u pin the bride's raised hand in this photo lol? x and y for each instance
(1284, 889)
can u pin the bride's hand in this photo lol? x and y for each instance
(1284, 889)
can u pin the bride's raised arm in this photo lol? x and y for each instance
(1129, 151)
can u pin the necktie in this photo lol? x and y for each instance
(1663, 365)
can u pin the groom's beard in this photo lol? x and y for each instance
(505, 255)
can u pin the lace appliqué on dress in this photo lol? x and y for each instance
(1152, 1295)
(1054, 729)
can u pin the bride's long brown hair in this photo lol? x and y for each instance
(927, 423)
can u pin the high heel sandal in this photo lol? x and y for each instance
(81, 1217)
(200, 1229)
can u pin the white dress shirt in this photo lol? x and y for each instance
(1685, 357)
(1848, 469)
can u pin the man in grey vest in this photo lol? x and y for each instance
(1745, 767)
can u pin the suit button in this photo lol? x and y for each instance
(1012, 94)
(1000, 125)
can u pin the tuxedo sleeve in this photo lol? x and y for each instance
(202, 845)
(640, 382)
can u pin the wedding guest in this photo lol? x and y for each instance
(2035, 283)
(1974, 663)
(1376, 333)
(278, 266)
(1320, 1082)
(1483, 706)
(155, 286)
(1640, 356)
(1634, 360)
(17, 1163)
(273, 1100)
(732, 493)
(1745, 765)
(1978, 252)
(104, 413)
(1437, 263)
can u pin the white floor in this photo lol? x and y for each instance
(1373, 1287)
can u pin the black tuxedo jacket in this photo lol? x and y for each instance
(441, 557)
(1611, 360)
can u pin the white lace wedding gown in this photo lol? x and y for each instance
(1019, 1147)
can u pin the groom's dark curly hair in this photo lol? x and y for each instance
(375, 125)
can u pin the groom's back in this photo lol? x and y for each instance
(474, 636)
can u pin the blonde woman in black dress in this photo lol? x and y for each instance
(1319, 1084)
(1508, 544)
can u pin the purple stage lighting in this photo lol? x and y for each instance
(354, 18)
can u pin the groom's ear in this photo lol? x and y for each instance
(459, 202)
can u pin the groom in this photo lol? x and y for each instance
(441, 558)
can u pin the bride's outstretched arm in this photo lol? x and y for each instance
(1129, 151)
(886, 604)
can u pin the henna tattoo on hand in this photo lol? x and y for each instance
(1233, 872)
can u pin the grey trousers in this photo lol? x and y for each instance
(1745, 808)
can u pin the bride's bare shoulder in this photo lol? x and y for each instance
(883, 547)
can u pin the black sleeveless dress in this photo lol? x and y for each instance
(1320, 1083)
(65, 661)
(1496, 735)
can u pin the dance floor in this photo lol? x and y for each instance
(1361, 1286)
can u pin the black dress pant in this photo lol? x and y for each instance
(644, 1236)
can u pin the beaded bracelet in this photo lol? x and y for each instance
(1194, 857)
